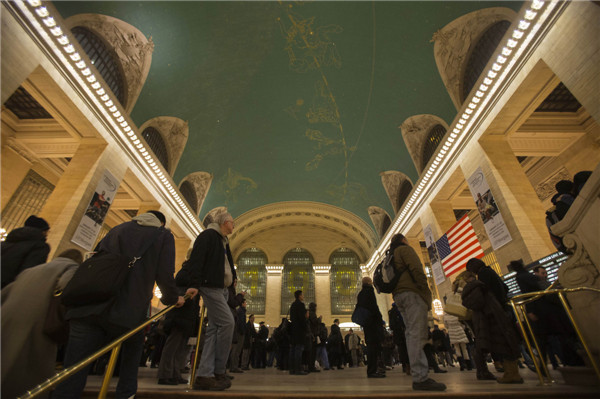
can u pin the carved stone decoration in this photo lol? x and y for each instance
(201, 182)
(455, 42)
(414, 132)
(381, 220)
(546, 189)
(578, 270)
(393, 183)
(210, 216)
(133, 49)
(174, 132)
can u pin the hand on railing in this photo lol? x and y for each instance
(192, 292)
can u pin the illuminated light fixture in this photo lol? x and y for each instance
(86, 72)
(127, 129)
(49, 22)
(123, 124)
(492, 74)
(517, 34)
(155, 167)
(144, 152)
(428, 174)
(537, 4)
(487, 81)
(446, 147)
(105, 97)
(157, 292)
(120, 119)
(171, 190)
(476, 100)
(80, 64)
(479, 94)
(436, 163)
(451, 139)
(501, 60)
(483, 87)
(117, 114)
(465, 116)
(139, 145)
(63, 40)
(113, 108)
(438, 309)
(152, 163)
(512, 43)
(506, 51)
(455, 131)
(529, 15)
(443, 152)
(523, 25)
(91, 78)
(96, 85)
(42, 12)
(69, 49)
(462, 121)
(437, 158)
(147, 157)
(469, 111)
(100, 92)
(496, 67)
(130, 133)
(34, 3)
(458, 125)
(472, 106)
(56, 31)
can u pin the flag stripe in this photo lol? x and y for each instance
(458, 245)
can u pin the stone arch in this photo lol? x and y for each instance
(174, 133)
(416, 132)
(455, 43)
(132, 49)
(381, 220)
(398, 186)
(200, 183)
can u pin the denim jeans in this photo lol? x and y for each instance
(414, 312)
(85, 338)
(219, 332)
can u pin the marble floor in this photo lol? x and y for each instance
(352, 382)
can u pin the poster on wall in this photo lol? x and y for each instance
(434, 257)
(95, 213)
(488, 210)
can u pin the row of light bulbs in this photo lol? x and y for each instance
(492, 79)
(95, 89)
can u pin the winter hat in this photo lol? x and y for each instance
(36, 222)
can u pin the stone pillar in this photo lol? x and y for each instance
(442, 218)
(323, 290)
(14, 169)
(444, 214)
(517, 200)
(273, 300)
(69, 200)
(146, 206)
(181, 249)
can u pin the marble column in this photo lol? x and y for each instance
(323, 291)
(273, 297)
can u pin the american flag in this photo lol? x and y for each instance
(458, 245)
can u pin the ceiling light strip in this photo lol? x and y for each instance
(491, 81)
(93, 88)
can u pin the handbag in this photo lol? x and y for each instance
(55, 325)
(100, 278)
(361, 315)
(455, 307)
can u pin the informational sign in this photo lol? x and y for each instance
(94, 216)
(495, 227)
(434, 257)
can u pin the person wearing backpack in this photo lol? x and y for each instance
(413, 299)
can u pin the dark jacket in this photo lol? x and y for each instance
(313, 321)
(335, 342)
(494, 284)
(130, 306)
(24, 247)
(208, 260)
(298, 319)
(374, 327)
(240, 321)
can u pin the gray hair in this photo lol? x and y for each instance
(222, 217)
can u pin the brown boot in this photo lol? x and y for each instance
(223, 378)
(210, 384)
(511, 373)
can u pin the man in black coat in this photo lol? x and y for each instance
(260, 354)
(373, 329)
(24, 247)
(335, 345)
(212, 274)
(92, 326)
(298, 316)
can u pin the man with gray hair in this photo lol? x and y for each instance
(212, 273)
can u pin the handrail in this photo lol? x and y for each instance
(114, 346)
(519, 302)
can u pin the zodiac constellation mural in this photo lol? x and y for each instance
(233, 184)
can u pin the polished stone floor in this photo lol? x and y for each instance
(352, 382)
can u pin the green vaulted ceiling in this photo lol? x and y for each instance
(291, 100)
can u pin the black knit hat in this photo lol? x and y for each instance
(38, 223)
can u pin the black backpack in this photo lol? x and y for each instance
(385, 277)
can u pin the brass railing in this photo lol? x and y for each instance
(518, 303)
(115, 346)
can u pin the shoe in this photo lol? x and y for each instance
(313, 370)
(300, 373)
(182, 381)
(236, 371)
(440, 371)
(428, 385)
(486, 375)
(246, 368)
(167, 381)
(327, 368)
(376, 375)
(217, 376)
(511, 373)
(224, 378)
(210, 384)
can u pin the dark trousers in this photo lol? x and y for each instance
(296, 358)
(85, 338)
(373, 349)
(174, 354)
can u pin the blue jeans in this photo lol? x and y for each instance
(219, 332)
(414, 312)
(85, 338)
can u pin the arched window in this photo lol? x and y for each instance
(481, 54)
(345, 280)
(189, 193)
(252, 278)
(157, 144)
(103, 59)
(434, 137)
(405, 190)
(298, 274)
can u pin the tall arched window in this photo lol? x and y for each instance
(103, 59)
(157, 144)
(481, 54)
(434, 137)
(252, 278)
(345, 280)
(298, 274)
(189, 193)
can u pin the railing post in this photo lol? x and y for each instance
(196, 359)
(519, 313)
(110, 368)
